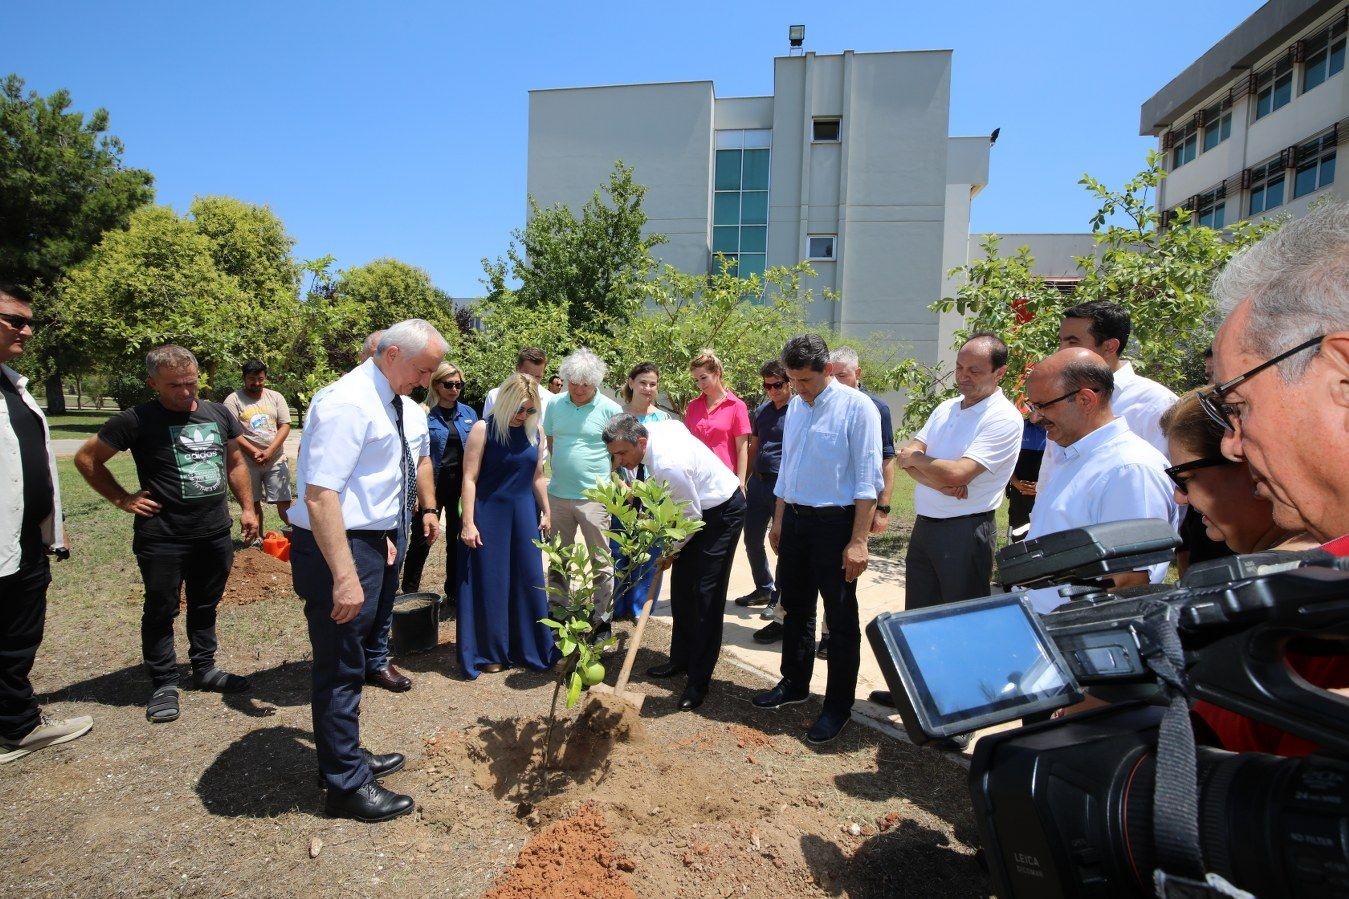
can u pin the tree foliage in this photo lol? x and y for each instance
(1161, 275)
(592, 267)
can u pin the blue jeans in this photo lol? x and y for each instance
(759, 505)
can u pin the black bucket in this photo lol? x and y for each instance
(416, 623)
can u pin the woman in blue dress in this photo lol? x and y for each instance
(505, 507)
(639, 400)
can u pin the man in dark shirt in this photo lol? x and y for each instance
(30, 528)
(765, 454)
(186, 451)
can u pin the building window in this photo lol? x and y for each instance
(1187, 144)
(1274, 87)
(1324, 56)
(740, 199)
(1217, 121)
(820, 246)
(1315, 165)
(825, 130)
(1267, 186)
(1211, 209)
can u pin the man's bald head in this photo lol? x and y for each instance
(1069, 393)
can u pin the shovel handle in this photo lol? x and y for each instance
(636, 643)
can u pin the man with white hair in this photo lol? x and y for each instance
(357, 476)
(574, 425)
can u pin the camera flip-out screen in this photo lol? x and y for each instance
(967, 665)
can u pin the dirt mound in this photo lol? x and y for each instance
(256, 576)
(574, 857)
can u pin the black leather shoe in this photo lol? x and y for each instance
(882, 697)
(380, 765)
(371, 804)
(828, 726)
(668, 669)
(390, 679)
(755, 598)
(822, 651)
(783, 694)
(958, 743)
(769, 633)
(692, 697)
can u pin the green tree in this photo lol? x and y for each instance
(62, 185)
(593, 266)
(1161, 275)
(250, 244)
(505, 323)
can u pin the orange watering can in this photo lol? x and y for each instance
(276, 544)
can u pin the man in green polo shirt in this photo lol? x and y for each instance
(574, 424)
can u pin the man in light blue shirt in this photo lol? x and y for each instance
(574, 425)
(826, 495)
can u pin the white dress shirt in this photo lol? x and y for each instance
(831, 450)
(546, 396)
(350, 444)
(693, 472)
(1111, 474)
(989, 432)
(11, 483)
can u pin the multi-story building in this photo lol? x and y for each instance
(847, 164)
(1253, 126)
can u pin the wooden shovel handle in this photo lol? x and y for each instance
(636, 643)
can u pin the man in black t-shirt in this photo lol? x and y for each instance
(186, 452)
(30, 529)
(765, 454)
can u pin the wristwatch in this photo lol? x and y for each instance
(883, 509)
(435, 512)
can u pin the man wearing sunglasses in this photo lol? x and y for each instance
(30, 530)
(1281, 359)
(1106, 471)
(765, 456)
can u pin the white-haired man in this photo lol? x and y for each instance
(574, 425)
(360, 484)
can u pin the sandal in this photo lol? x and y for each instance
(218, 681)
(163, 705)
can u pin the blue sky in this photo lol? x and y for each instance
(399, 129)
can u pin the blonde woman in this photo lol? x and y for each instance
(505, 506)
(718, 417)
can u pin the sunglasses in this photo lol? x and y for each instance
(1039, 408)
(530, 411)
(1184, 486)
(17, 322)
(774, 385)
(1227, 414)
(451, 385)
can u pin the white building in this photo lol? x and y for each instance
(1253, 126)
(847, 164)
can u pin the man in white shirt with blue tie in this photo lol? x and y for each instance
(826, 494)
(357, 474)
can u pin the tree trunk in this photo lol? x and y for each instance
(56, 397)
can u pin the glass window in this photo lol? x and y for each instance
(726, 208)
(754, 207)
(825, 130)
(1185, 151)
(1211, 209)
(820, 246)
(1218, 126)
(753, 239)
(1325, 56)
(725, 240)
(1315, 162)
(1267, 187)
(1274, 87)
(728, 170)
(750, 264)
(756, 170)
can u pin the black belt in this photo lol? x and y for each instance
(766, 475)
(820, 511)
(392, 533)
(958, 517)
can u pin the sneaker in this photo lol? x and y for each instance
(49, 732)
(828, 726)
(770, 611)
(770, 633)
(758, 597)
(822, 651)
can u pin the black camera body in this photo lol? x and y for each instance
(1082, 806)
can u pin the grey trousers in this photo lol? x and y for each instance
(949, 559)
(590, 518)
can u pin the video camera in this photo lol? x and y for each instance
(1118, 801)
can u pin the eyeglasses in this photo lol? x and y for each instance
(1039, 408)
(530, 411)
(17, 322)
(451, 385)
(1227, 414)
(774, 385)
(1184, 486)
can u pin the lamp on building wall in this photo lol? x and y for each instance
(796, 36)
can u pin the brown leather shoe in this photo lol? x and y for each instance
(389, 678)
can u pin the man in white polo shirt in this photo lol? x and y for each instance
(962, 459)
(1106, 471)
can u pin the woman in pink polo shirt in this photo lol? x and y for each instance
(718, 417)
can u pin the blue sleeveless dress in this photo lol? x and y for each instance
(501, 583)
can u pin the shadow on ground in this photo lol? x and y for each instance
(910, 860)
(262, 774)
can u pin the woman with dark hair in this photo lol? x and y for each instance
(505, 506)
(639, 394)
(449, 422)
